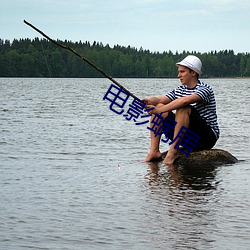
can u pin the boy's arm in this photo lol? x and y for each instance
(176, 104)
(155, 100)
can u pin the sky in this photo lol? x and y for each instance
(155, 25)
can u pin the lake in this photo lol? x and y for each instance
(72, 174)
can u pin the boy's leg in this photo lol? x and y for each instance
(197, 125)
(182, 119)
(154, 152)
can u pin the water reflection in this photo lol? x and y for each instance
(183, 177)
(183, 198)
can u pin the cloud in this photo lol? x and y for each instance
(225, 5)
(222, 2)
(152, 24)
(83, 6)
(149, 2)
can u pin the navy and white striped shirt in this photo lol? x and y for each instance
(206, 108)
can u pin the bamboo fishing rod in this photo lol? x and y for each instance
(82, 57)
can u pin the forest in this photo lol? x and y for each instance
(41, 58)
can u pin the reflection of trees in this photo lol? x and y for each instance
(183, 198)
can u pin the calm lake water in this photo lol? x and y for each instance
(72, 176)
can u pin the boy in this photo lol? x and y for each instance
(195, 107)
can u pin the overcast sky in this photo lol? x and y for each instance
(157, 25)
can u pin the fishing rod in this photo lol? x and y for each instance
(82, 57)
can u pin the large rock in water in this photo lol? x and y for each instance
(213, 157)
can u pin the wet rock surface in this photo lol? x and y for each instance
(206, 157)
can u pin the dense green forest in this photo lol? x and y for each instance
(41, 58)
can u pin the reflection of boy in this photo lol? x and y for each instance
(195, 107)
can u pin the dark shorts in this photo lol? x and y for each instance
(197, 125)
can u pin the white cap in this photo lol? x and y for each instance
(191, 62)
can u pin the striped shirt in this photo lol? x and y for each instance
(206, 108)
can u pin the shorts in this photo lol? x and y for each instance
(197, 125)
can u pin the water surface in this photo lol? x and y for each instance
(72, 175)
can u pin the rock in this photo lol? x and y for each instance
(213, 157)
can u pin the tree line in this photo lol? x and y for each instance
(41, 58)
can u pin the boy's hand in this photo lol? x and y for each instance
(153, 110)
(146, 100)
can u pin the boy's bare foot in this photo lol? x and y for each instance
(153, 156)
(170, 158)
